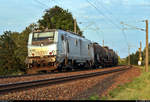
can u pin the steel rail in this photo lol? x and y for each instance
(4, 88)
(38, 74)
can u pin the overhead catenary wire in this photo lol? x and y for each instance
(101, 13)
(96, 29)
(42, 4)
(39, 2)
(108, 11)
(46, 5)
(133, 27)
(109, 20)
(58, 2)
(104, 7)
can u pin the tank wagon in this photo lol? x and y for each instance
(56, 49)
(103, 56)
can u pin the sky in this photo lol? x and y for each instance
(98, 19)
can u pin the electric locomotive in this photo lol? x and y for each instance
(55, 49)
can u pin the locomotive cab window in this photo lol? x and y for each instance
(88, 47)
(62, 37)
(76, 42)
(44, 38)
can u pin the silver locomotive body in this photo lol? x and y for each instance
(53, 49)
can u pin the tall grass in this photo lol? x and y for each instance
(138, 89)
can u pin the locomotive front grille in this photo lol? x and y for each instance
(40, 60)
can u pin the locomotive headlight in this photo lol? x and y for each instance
(50, 53)
(53, 52)
(32, 54)
(52, 59)
(41, 44)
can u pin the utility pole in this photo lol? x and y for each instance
(146, 60)
(75, 26)
(146, 57)
(140, 48)
(103, 43)
(140, 56)
(128, 55)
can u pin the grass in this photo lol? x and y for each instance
(11, 73)
(94, 97)
(18, 73)
(138, 89)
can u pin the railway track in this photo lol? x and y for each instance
(38, 74)
(5, 88)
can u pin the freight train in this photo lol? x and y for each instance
(56, 49)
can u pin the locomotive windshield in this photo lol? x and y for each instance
(43, 38)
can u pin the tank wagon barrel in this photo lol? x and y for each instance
(104, 56)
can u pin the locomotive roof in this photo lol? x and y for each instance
(48, 30)
(106, 47)
(111, 50)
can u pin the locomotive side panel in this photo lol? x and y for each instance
(85, 51)
(76, 47)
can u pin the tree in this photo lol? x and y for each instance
(143, 54)
(57, 18)
(8, 56)
(134, 57)
(121, 61)
(13, 45)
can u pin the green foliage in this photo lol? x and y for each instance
(122, 61)
(57, 18)
(9, 61)
(103, 98)
(13, 45)
(134, 57)
(143, 54)
(94, 97)
(138, 89)
(13, 51)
